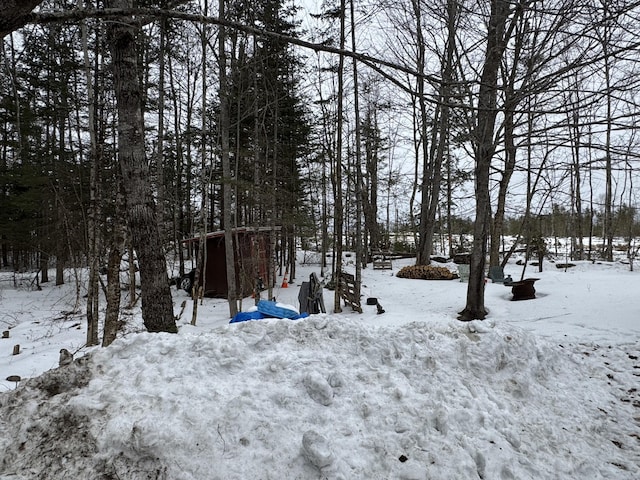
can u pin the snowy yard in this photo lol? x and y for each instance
(543, 389)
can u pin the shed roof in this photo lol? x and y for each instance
(242, 230)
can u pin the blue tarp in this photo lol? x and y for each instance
(246, 316)
(268, 309)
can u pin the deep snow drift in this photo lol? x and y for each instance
(542, 389)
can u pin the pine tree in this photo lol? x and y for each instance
(269, 126)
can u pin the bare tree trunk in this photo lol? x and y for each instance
(360, 255)
(416, 136)
(44, 267)
(422, 247)
(179, 203)
(575, 137)
(157, 306)
(608, 196)
(591, 205)
(497, 226)
(338, 206)
(510, 104)
(226, 167)
(327, 156)
(441, 146)
(370, 193)
(114, 291)
(60, 265)
(94, 204)
(631, 250)
(576, 181)
(497, 36)
(133, 298)
(199, 279)
(160, 147)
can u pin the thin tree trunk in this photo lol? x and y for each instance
(370, 193)
(44, 267)
(441, 149)
(484, 149)
(338, 206)
(199, 279)
(360, 255)
(326, 156)
(608, 195)
(416, 169)
(179, 204)
(577, 221)
(133, 269)
(422, 258)
(226, 167)
(497, 226)
(114, 290)
(60, 265)
(94, 204)
(510, 104)
(160, 147)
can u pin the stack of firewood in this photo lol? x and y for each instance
(426, 272)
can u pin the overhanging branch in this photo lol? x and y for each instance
(77, 15)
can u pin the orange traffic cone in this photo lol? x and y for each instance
(284, 280)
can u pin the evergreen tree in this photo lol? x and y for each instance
(43, 171)
(269, 128)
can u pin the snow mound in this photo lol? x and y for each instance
(321, 398)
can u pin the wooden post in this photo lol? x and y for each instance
(16, 349)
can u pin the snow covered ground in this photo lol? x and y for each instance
(543, 389)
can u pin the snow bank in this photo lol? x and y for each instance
(324, 397)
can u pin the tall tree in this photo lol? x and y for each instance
(373, 144)
(498, 34)
(359, 191)
(157, 305)
(338, 223)
(606, 37)
(94, 204)
(440, 138)
(224, 125)
(573, 97)
(423, 254)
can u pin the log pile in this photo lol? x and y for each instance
(426, 272)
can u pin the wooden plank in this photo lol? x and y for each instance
(348, 291)
(382, 265)
(382, 261)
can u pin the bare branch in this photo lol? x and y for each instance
(15, 14)
(145, 13)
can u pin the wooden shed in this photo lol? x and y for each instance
(253, 247)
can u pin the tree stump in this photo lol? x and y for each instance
(524, 289)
